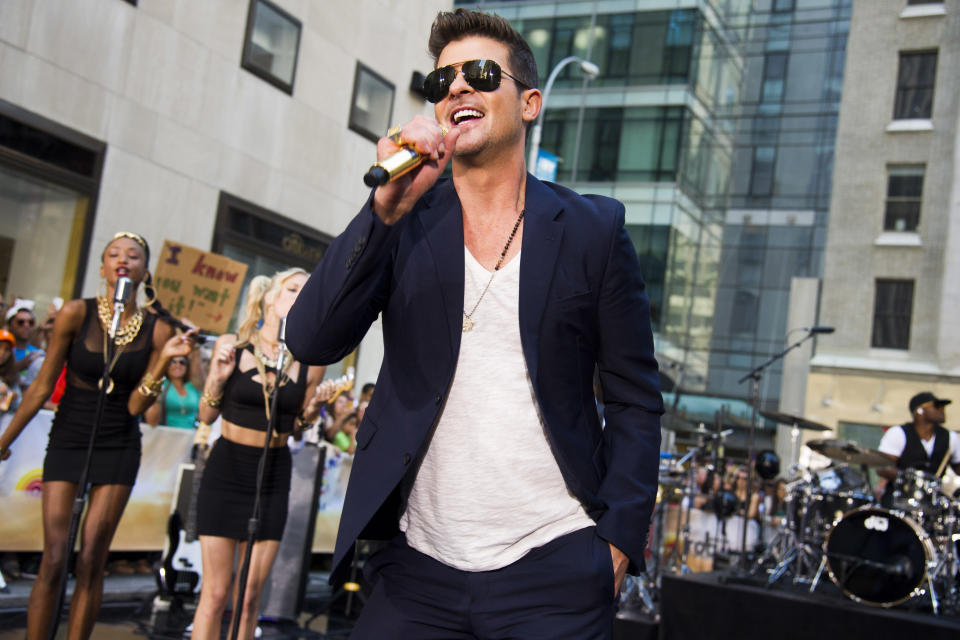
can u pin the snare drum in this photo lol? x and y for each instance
(877, 556)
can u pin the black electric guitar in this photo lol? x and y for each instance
(181, 571)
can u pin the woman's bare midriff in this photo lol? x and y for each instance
(250, 437)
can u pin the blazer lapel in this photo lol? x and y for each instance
(542, 234)
(442, 222)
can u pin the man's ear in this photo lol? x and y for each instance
(532, 103)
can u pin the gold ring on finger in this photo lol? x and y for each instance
(394, 134)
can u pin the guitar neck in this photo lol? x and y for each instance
(190, 526)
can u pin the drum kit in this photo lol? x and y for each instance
(905, 550)
(879, 555)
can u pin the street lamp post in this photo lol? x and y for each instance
(589, 69)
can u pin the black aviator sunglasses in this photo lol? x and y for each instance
(482, 75)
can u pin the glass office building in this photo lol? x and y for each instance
(775, 221)
(713, 122)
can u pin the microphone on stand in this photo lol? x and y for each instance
(281, 343)
(121, 295)
(819, 329)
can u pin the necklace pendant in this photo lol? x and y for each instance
(467, 324)
(109, 385)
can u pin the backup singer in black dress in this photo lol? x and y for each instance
(243, 376)
(143, 347)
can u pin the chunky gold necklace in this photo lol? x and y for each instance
(129, 330)
(125, 335)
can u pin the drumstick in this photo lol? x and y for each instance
(943, 463)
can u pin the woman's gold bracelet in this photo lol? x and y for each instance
(150, 386)
(202, 437)
(210, 400)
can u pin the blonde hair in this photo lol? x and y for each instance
(261, 294)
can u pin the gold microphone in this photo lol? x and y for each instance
(396, 164)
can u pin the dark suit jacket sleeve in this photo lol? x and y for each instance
(346, 291)
(630, 384)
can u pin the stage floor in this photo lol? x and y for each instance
(709, 606)
(699, 606)
(128, 612)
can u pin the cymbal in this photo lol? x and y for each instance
(801, 423)
(850, 452)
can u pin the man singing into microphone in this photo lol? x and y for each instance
(511, 511)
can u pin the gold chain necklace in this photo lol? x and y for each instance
(129, 330)
(468, 323)
(125, 335)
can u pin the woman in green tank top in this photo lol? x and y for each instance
(179, 399)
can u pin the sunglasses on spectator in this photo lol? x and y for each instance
(182, 361)
(20, 322)
(482, 75)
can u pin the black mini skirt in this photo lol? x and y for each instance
(107, 466)
(228, 488)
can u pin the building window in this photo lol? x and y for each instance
(909, 2)
(372, 104)
(743, 314)
(657, 49)
(265, 241)
(761, 172)
(892, 310)
(271, 44)
(49, 180)
(904, 193)
(915, 82)
(774, 77)
(640, 144)
(783, 5)
(651, 243)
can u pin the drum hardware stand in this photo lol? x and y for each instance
(934, 601)
(683, 519)
(754, 376)
(816, 578)
(800, 552)
(253, 524)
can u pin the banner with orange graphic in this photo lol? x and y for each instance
(144, 522)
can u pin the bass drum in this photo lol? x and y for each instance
(877, 556)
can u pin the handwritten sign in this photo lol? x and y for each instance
(198, 285)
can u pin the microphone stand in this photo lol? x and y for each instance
(81, 497)
(254, 523)
(754, 376)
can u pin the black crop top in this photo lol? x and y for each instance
(243, 403)
(85, 359)
(76, 413)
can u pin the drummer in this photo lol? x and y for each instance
(922, 444)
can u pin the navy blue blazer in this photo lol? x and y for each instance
(582, 304)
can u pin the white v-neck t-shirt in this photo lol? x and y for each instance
(489, 488)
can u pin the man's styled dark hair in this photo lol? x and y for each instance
(457, 25)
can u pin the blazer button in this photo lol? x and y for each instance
(438, 399)
(406, 459)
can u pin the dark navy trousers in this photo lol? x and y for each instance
(562, 590)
